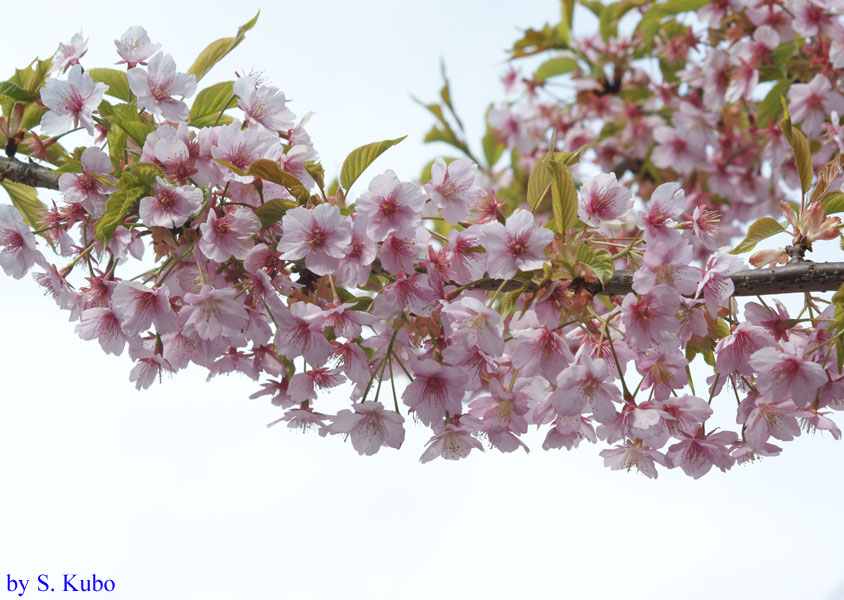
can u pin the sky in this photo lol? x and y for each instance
(181, 491)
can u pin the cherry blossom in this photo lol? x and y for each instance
(135, 47)
(157, 85)
(369, 427)
(516, 245)
(71, 103)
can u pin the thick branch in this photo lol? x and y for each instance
(28, 173)
(793, 278)
(802, 276)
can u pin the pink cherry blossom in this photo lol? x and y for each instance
(665, 371)
(651, 318)
(157, 85)
(230, 235)
(135, 47)
(17, 244)
(568, 431)
(468, 260)
(85, 188)
(677, 150)
(454, 442)
(412, 293)
(263, 105)
(103, 325)
(585, 386)
(716, 285)
(697, 454)
(356, 265)
(69, 54)
(667, 264)
(452, 188)
(469, 322)
(627, 456)
(304, 386)
(71, 103)
(539, 351)
(369, 427)
(300, 332)
(765, 419)
(666, 205)
(390, 206)
(785, 371)
(435, 390)
(517, 245)
(810, 103)
(321, 236)
(171, 206)
(213, 313)
(601, 199)
(399, 254)
(138, 307)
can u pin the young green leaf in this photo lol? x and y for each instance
(272, 211)
(215, 51)
(360, 158)
(117, 82)
(759, 230)
(210, 103)
(25, 199)
(563, 195)
(800, 146)
(555, 66)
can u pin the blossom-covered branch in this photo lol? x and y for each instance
(580, 279)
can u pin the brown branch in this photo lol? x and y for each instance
(801, 276)
(28, 173)
(793, 278)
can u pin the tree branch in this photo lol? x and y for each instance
(28, 173)
(801, 276)
(797, 277)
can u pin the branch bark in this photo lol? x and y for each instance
(798, 277)
(28, 173)
(801, 276)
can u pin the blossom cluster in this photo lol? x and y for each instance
(479, 302)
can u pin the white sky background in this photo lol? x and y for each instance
(181, 492)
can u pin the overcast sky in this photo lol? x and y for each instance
(181, 492)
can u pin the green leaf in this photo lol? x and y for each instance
(539, 183)
(116, 139)
(32, 116)
(269, 170)
(210, 103)
(770, 107)
(649, 24)
(317, 172)
(117, 209)
(272, 211)
(555, 66)
(126, 117)
(829, 172)
(360, 158)
(800, 146)
(566, 21)
(759, 230)
(563, 195)
(493, 148)
(32, 77)
(25, 199)
(833, 203)
(17, 93)
(599, 261)
(215, 51)
(117, 82)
